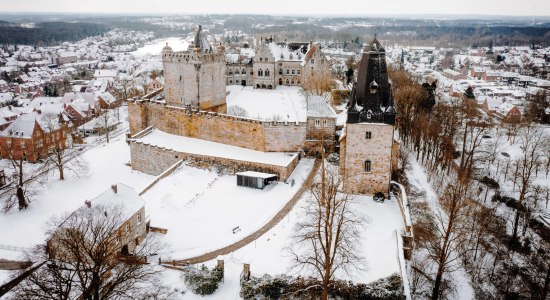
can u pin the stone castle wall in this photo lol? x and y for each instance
(355, 149)
(240, 132)
(154, 160)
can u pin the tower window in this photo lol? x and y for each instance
(368, 135)
(367, 165)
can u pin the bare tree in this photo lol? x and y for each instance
(19, 191)
(61, 154)
(238, 111)
(328, 238)
(532, 141)
(318, 83)
(83, 260)
(104, 122)
(446, 249)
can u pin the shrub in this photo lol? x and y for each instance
(286, 287)
(203, 281)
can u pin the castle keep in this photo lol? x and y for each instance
(195, 77)
(367, 146)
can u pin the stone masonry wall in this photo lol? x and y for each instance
(154, 160)
(229, 130)
(358, 149)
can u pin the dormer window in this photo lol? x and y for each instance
(369, 115)
(373, 87)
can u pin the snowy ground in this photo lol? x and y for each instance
(417, 177)
(155, 47)
(267, 254)
(285, 103)
(200, 208)
(106, 165)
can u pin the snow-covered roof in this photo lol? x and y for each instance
(317, 107)
(256, 174)
(125, 197)
(21, 128)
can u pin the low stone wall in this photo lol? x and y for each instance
(155, 160)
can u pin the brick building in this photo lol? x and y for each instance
(31, 136)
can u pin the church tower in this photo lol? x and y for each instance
(195, 77)
(366, 145)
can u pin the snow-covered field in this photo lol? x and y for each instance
(106, 165)
(285, 103)
(200, 208)
(155, 47)
(268, 255)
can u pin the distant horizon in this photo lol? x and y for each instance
(375, 15)
(321, 8)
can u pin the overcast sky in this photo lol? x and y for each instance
(284, 7)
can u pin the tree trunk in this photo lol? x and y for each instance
(21, 198)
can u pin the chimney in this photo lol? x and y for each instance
(88, 203)
(114, 188)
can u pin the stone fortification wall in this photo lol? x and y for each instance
(230, 130)
(155, 160)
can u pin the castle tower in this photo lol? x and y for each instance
(366, 146)
(195, 77)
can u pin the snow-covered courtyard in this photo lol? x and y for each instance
(200, 208)
(285, 103)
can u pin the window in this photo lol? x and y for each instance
(266, 73)
(22, 144)
(230, 72)
(298, 72)
(230, 81)
(313, 61)
(243, 72)
(317, 123)
(180, 77)
(367, 165)
(368, 135)
(280, 71)
(127, 227)
(293, 72)
(9, 143)
(139, 218)
(260, 72)
(325, 123)
(260, 59)
(287, 71)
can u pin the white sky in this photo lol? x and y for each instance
(284, 7)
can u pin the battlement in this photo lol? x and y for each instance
(193, 57)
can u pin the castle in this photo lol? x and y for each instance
(275, 64)
(367, 147)
(186, 119)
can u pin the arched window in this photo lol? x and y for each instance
(260, 59)
(230, 72)
(236, 71)
(266, 73)
(257, 86)
(270, 87)
(280, 71)
(263, 86)
(367, 165)
(243, 72)
(260, 72)
(280, 81)
(292, 81)
(287, 82)
(298, 81)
